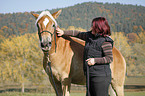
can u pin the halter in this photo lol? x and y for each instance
(55, 25)
(54, 33)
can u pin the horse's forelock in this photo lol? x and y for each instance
(45, 13)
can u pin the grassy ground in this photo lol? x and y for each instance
(142, 93)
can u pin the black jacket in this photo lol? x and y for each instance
(93, 49)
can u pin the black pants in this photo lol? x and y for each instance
(99, 85)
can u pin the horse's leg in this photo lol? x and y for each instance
(111, 91)
(118, 68)
(57, 86)
(66, 84)
(118, 88)
(117, 82)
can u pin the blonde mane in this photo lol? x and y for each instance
(45, 13)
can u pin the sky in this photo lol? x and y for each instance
(14, 6)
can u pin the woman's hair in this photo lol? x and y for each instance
(100, 25)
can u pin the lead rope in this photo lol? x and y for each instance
(49, 64)
(88, 82)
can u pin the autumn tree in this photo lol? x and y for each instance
(78, 28)
(139, 54)
(121, 43)
(21, 60)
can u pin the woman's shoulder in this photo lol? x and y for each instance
(108, 39)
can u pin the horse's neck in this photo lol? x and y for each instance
(46, 57)
(45, 60)
(56, 45)
(62, 43)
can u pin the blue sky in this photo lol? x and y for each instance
(10, 6)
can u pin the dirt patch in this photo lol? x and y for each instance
(134, 88)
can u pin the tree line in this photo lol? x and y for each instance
(122, 18)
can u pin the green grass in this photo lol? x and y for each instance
(142, 93)
(36, 94)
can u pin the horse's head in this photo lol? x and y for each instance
(46, 25)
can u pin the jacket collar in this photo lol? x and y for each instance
(95, 36)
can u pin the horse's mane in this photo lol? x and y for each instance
(45, 13)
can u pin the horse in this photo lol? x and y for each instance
(65, 54)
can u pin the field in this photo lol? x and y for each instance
(142, 93)
(134, 86)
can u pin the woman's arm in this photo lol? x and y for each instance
(108, 56)
(74, 33)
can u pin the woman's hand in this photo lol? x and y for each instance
(91, 61)
(59, 32)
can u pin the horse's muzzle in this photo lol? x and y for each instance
(46, 46)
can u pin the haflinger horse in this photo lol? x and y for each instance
(66, 56)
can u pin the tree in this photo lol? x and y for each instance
(21, 60)
(132, 37)
(121, 43)
(139, 54)
(141, 36)
(71, 28)
(78, 29)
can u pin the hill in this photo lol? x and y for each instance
(122, 18)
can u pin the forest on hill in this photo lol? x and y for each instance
(122, 18)
(21, 56)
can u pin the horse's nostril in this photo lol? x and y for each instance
(42, 45)
(46, 44)
(49, 43)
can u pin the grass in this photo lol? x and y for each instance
(142, 93)
(35, 94)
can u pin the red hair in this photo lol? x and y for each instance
(100, 25)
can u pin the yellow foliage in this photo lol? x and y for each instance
(121, 43)
(4, 27)
(21, 59)
(78, 29)
(71, 28)
(141, 28)
(141, 37)
(81, 29)
(135, 28)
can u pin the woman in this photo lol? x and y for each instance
(97, 55)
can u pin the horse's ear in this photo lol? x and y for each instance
(35, 15)
(56, 14)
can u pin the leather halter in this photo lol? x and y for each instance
(39, 33)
